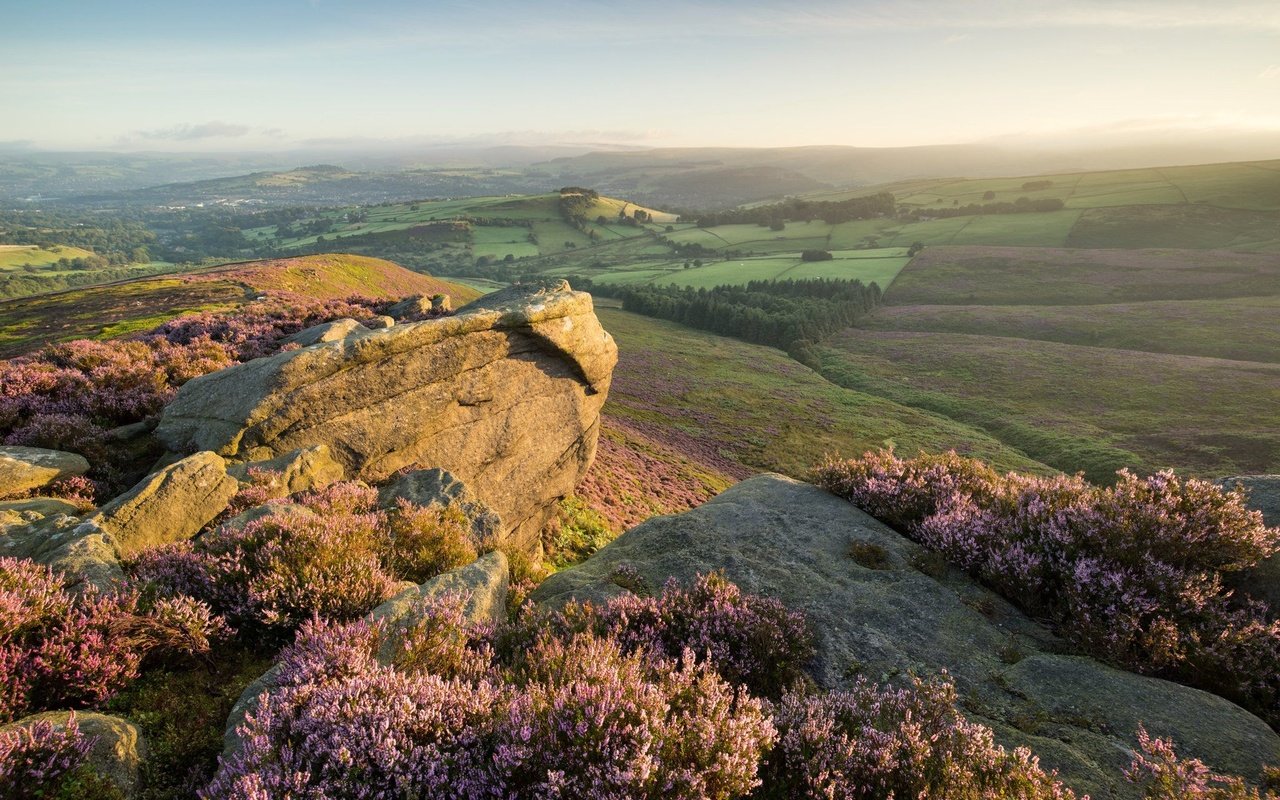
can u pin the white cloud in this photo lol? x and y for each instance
(1271, 73)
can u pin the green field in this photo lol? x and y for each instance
(17, 256)
(868, 266)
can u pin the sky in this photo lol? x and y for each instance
(188, 75)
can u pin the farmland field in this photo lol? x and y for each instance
(869, 266)
(14, 256)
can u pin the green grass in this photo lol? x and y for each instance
(1077, 408)
(879, 266)
(738, 408)
(15, 256)
(1241, 329)
(1054, 276)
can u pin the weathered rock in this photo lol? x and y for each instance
(1263, 581)
(305, 468)
(282, 512)
(115, 755)
(169, 505)
(483, 583)
(33, 509)
(505, 395)
(410, 307)
(81, 551)
(778, 537)
(23, 469)
(324, 332)
(380, 322)
(427, 486)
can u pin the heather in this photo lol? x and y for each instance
(37, 759)
(63, 650)
(333, 552)
(1162, 775)
(1133, 573)
(69, 395)
(592, 703)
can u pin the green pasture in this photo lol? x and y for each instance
(15, 256)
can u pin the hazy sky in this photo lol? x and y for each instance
(234, 74)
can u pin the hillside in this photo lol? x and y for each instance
(115, 309)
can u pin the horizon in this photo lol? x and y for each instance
(141, 76)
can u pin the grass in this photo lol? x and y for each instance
(16, 256)
(736, 409)
(1077, 408)
(879, 266)
(1055, 276)
(1241, 329)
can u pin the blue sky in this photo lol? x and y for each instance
(232, 74)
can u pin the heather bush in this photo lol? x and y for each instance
(577, 717)
(59, 650)
(1132, 572)
(1158, 772)
(338, 562)
(36, 759)
(882, 742)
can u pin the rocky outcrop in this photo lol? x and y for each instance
(23, 469)
(483, 584)
(435, 486)
(906, 612)
(324, 332)
(303, 469)
(505, 394)
(1263, 493)
(169, 505)
(115, 755)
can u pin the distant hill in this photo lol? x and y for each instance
(118, 308)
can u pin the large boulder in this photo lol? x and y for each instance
(1263, 495)
(169, 505)
(115, 755)
(889, 609)
(505, 394)
(23, 469)
(482, 584)
(81, 551)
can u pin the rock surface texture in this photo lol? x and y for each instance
(483, 583)
(505, 394)
(23, 469)
(778, 537)
(115, 755)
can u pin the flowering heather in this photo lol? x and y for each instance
(1133, 572)
(66, 396)
(59, 650)
(35, 758)
(338, 557)
(882, 742)
(751, 641)
(1157, 770)
(579, 719)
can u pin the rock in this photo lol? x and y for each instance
(381, 322)
(505, 394)
(276, 511)
(483, 582)
(428, 486)
(170, 505)
(80, 550)
(1263, 581)
(324, 332)
(297, 471)
(33, 509)
(118, 751)
(410, 308)
(778, 537)
(23, 469)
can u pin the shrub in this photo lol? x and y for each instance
(36, 759)
(1157, 771)
(338, 561)
(578, 718)
(1133, 572)
(59, 650)
(875, 742)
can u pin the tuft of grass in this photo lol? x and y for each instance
(869, 555)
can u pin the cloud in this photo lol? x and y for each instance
(189, 132)
(1271, 73)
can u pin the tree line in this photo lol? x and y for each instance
(793, 314)
(881, 204)
(1023, 205)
